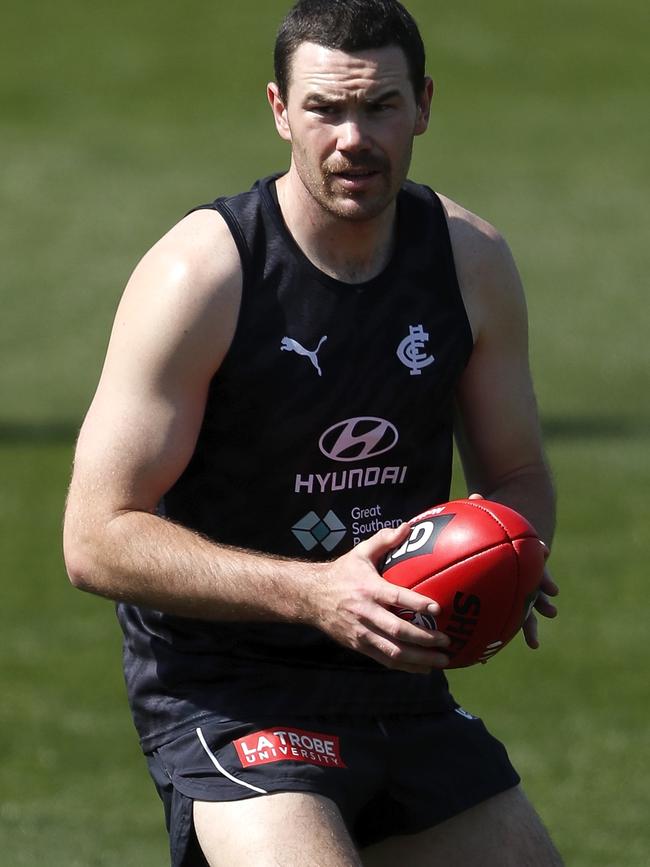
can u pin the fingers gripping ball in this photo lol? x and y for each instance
(482, 562)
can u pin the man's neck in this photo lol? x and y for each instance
(352, 251)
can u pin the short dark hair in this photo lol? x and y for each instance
(349, 25)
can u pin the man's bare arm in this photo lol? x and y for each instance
(498, 430)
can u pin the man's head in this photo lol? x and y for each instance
(350, 96)
(351, 26)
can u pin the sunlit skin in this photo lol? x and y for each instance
(351, 120)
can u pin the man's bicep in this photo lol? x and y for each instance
(172, 328)
(133, 445)
(498, 429)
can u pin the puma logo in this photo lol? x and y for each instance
(290, 345)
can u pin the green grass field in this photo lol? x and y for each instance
(113, 122)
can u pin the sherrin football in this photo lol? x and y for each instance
(482, 562)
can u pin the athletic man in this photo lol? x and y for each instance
(284, 375)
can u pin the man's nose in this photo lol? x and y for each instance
(351, 136)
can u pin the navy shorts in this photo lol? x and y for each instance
(389, 775)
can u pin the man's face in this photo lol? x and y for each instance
(350, 119)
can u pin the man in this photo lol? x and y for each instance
(279, 394)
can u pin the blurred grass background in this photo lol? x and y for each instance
(116, 119)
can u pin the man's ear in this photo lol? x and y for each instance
(279, 110)
(424, 107)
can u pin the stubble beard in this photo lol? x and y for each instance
(321, 186)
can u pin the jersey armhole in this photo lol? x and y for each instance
(441, 216)
(245, 258)
(221, 206)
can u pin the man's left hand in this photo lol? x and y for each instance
(544, 606)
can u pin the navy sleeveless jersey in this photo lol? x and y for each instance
(330, 418)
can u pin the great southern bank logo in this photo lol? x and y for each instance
(358, 439)
(312, 530)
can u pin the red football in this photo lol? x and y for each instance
(482, 562)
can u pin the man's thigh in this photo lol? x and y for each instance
(294, 829)
(503, 831)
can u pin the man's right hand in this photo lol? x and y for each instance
(355, 606)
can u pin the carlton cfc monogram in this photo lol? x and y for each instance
(410, 351)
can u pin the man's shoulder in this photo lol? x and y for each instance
(198, 239)
(197, 256)
(467, 228)
(480, 250)
(486, 271)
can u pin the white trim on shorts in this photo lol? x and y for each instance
(222, 770)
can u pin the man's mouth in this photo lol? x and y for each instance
(355, 171)
(355, 174)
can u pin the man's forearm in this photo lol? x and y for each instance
(530, 491)
(143, 559)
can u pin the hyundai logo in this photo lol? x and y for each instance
(357, 439)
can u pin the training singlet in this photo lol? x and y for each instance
(330, 418)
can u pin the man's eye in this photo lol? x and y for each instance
(325, 110)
